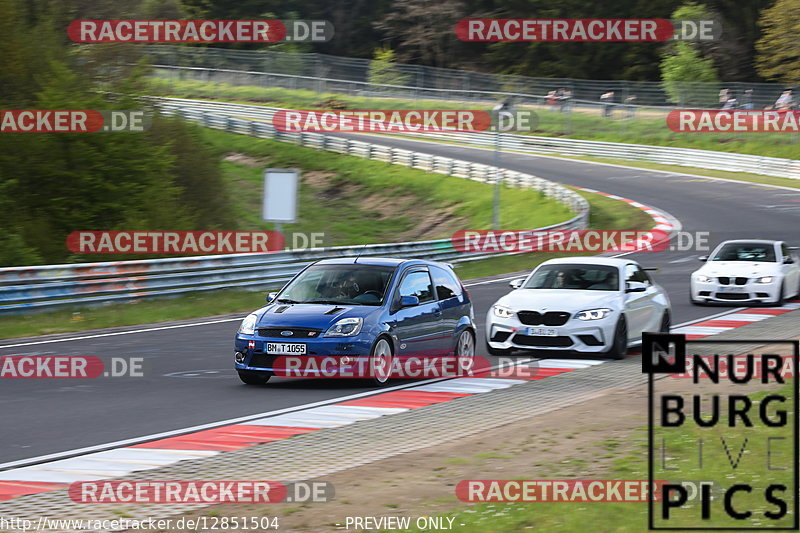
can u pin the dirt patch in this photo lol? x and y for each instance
(246, 160)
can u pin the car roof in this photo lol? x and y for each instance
(590, 260)
(753, 241)
(377, 261)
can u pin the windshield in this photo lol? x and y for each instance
(578, 277)
(351, 284)
(745, 251)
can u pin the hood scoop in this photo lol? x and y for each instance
(281, 309)
(334, 310)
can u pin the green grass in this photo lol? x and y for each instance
(632, 517)
(647, 127)
(336, 208)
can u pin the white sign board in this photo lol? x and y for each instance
(280, 195)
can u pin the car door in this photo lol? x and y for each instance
(449, 294)
(641, 313)
(416, 328)
(791, 270)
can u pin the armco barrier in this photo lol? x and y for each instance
(668, 155)
(45, 287)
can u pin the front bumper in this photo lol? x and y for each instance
(750, 292)
(591, 336)
(328, 351)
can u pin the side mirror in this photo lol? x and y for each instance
(703, 258)
(635, 286)
(517, 283)
(788, 260)
(408, 301)
(271, 296)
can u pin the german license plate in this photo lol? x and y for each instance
(729, 289)
(543, 332)
(285, 348)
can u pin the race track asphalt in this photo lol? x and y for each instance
(189, 377)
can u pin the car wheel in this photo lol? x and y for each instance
(380, 362)
(465, 350)
(666, 323)
(497, 352)
(254, 378)
(619, 347)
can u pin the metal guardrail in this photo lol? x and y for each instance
(45, 287)
(687, 157)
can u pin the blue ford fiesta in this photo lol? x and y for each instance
(346, 310)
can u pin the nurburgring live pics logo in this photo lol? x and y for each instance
(747, 446)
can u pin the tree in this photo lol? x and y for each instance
(683, 62)
(778, 56)
(382, 69)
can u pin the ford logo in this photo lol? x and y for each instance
(287, 333)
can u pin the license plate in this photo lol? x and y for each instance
(285, 348)
(729, 289)
(543, 332)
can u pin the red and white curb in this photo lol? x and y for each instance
(714, 326)
(119, 462)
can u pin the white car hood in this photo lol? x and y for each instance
(569, 300)
(745, 269)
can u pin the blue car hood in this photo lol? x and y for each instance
(311, 315)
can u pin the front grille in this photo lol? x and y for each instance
(550, 318)
(724, 280)
(733, 296)
(297, 333)
(551, 342)
(741, 281)
(262, 360)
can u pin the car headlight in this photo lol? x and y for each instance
(703, 279)
(248, 326)
(346, 327)
(765, 279)
(593, 314)
(502, 312)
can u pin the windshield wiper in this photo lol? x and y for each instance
(287, 301)
(323, 301)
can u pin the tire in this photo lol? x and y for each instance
(781, 299)
(666, 323)
(497, 352)
(254, 378)
(381, 351)
(465, 351)
(619, 347)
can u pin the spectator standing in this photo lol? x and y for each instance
(785, 101)
(723, 97)
(607, 100)
(747, 100)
